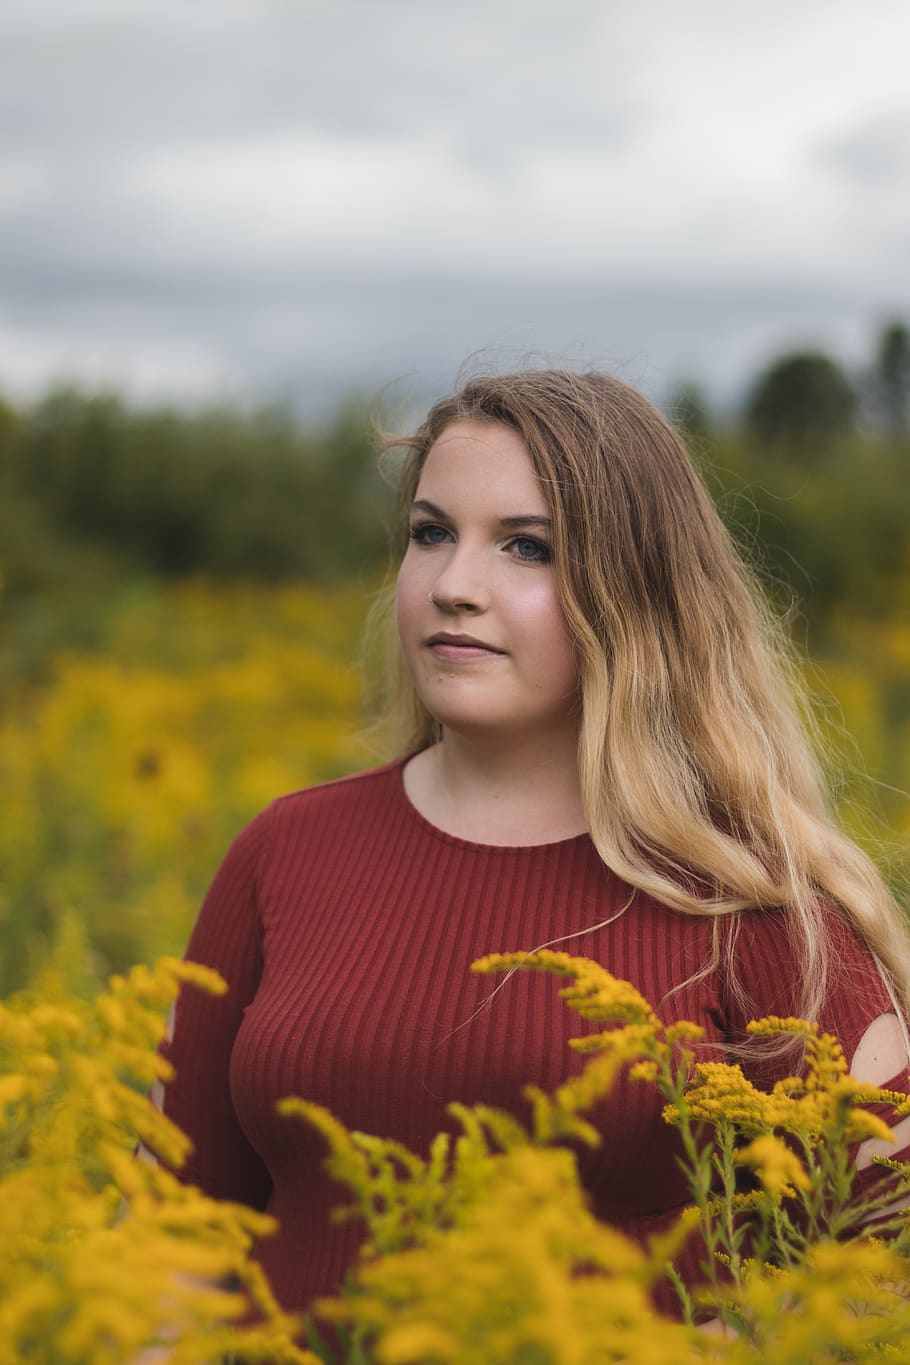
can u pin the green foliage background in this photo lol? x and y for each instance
(182, 603)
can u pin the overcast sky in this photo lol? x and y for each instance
(268, 198)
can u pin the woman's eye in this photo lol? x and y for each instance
(429, 533)
(535, 551)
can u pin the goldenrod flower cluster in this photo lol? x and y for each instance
(487, 1252)
(484, 1250)
(102, 1255)
(823, 1104)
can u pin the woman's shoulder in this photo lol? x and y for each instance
(372, 786)
(311, 822)
(771, 960)
(355, 802)
(771, 937)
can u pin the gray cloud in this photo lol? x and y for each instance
(876, 153)
(286, 197)
(148, 74)
(307, 337)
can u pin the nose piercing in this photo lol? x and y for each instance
(431, 598)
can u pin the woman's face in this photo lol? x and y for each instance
(479, 616)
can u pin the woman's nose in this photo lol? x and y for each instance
(452, 603)
(461, 585)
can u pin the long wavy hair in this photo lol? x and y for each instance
(700, 782)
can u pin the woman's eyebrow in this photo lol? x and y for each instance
(424, 505)
(529, 519)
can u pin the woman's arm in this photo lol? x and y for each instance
(227, 936)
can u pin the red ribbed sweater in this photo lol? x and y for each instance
(345, 925)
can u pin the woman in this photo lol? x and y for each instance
(600, 749)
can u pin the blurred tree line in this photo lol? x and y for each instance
(88, 484)
(813, 475)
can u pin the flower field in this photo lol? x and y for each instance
(128, 763)
(128, 768)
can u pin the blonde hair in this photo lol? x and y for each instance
(699, 782)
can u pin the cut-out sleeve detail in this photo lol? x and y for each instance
(896, 1150)
(881, 1059)
(881, 1054)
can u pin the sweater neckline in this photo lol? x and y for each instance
(454, 841)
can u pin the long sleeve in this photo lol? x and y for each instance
(227, 937)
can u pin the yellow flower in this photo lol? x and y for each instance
(79, 1284)
(720, 1093)
(777, 1167)
(596, 993)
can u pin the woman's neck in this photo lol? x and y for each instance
(508, 794)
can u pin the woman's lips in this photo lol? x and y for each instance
(460, 648)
